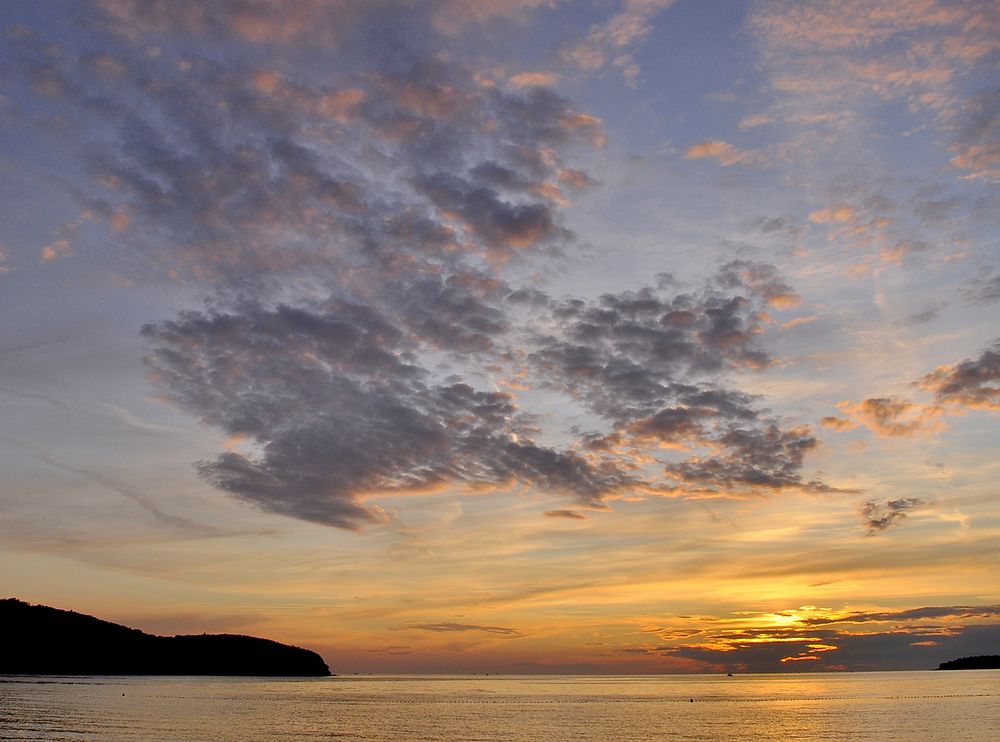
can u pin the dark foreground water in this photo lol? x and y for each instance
(952, 706)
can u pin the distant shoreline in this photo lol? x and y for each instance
(980, 662)
(44, 641)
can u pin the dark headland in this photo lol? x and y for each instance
(982, 662)
(38, 640)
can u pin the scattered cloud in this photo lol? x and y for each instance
(832, 68)
(56, 250)
(929, 313)
(983, 289)
(799, 321)
(759, 119)
(534, 79)
(611, 44)
(972, 384)
(634, 359)
(878, 515)
(833, 214)
(890, 417)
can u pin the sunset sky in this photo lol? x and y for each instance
(507, 335)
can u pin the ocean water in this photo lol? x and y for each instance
(918, 706)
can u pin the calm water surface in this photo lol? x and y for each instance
(952, 706)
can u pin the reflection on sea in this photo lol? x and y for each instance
(849, 706)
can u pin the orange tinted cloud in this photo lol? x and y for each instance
(55, 250)
(832, 214)
(534, 79)
(723, 153)
(973, 383)
(890, 417)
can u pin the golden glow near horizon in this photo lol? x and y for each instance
(507, 336)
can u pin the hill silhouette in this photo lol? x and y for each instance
(39, 640)
(982, 662)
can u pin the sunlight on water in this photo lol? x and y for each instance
(870, 706)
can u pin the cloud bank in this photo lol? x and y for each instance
(360, 230)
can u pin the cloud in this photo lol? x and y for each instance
(810, 638)
(768, 459)
(836, 423)
(500, 225)
(611, 43)
(878, 515)
(890, 416)
(646, 363)
(930, 312)
(833, 214)
(910, 49)
(970, 384)
(359, 234)
(220, 169)
(973, 383)
(982, 289)
(751, 122)
(724, 153)
(569, 514)
(976, 143)
(769, 650)
(337, 411)
(832, 66)
(912, 614)
(463, 627)
(56, 249)
(451, 16)
(533, 79)
(891, 222)
(798, 322)
(311, 22)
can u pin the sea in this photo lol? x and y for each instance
(919, 706)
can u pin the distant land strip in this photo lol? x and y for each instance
(39, 640)
(982, 662)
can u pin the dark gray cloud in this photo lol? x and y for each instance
(354, 223)
(334, 409)
(914, 614)
(928, 313)
(878, 515)
(977, 139)
(404, 162)
(767, 458)
(649, 363)
(972, 383)
(627, 354)
(982, 289)
(502, 226)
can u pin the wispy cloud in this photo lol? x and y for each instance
(612, 43)
(973, 383)
(724, 153)
(878, 515)
(462, 627)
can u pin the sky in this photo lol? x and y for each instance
(511, 336)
